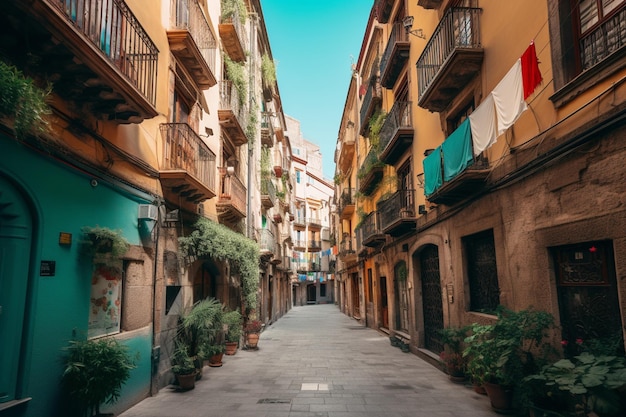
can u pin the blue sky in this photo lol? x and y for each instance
(314, 44)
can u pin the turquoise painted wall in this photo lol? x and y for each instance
(64, 201)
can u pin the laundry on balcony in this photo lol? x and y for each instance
(457, 151)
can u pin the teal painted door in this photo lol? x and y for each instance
(15, 248)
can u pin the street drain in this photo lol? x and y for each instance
(273, 401)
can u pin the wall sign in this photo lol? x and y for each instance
(47, 268)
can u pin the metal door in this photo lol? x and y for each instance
(431, 298)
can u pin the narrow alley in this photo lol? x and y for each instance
(315, 361)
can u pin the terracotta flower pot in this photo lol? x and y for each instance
(501, 397)
(252, 340)
(231, 348)
(186, 382)
(215, 361)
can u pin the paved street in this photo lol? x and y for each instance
(315, 361)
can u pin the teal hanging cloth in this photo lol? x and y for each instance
(432, 172)
(457, 151)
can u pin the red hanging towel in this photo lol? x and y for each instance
(531, 76)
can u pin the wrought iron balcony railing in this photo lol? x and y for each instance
(113, 29)
(399, 118)
(267, 243)
(183, 149)
(606, 39)
(268, 192)
(395, 56)
(373, 96)
(190, 17)
(232, 191)
(400, 205)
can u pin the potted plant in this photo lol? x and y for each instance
(183, 366)
(233, 322)
(506, 351)
(452, 354)
(582, 385)
(253, 330)
(95, 371)
(198, 328)
(102, 240)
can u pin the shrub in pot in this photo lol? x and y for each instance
(95, 371)
(233, 322)
(183, 366)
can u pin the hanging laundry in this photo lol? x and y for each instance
(509, 98)
(457, 151)
(483, 124)
(531, 76)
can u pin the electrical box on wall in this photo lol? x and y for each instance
(147, 212)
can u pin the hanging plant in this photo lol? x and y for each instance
(266, 170)
(375, 126)
(237, 75)
(104, 241)
(251, 128)
(268, 70)
(213, 240)
(22, 101)
(231, 8)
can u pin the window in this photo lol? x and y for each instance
(599, 32)
(298, 176)
(480, 252)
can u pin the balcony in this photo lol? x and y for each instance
(299, 221)
(451, 172)
(192, 42)
(188, 169)
(278, 255)
(299, 245)
(267, 244)
(268, 193)
(607, 38)
(396, 135)
(395, 56)
(314, 223)
(233, 35)
(314, 245)
(231, 114)
(451, 59)
(346, 152)
(370, 173)
(286, 264)
(397, 213)
(267, 131)
(231, 203)
(383, 10)
(371, 233)
(96, 54)
(347, 203)
(371, 102)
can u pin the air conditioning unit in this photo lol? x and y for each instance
(147, 212)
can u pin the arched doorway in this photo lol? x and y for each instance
(432, 307)
(16, 234)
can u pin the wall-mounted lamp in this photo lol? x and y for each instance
(209, 131)
(230, 171)
(407, 22)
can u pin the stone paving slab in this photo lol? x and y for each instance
(317, 362)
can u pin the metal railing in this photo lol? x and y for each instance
(400, 204)
(233, 18)
(370, 226)
(229, 100)
(267, 243)
(184, 149)
(189, 16)
(113, 28)
(459, 28)
(606, 39)
(398, 34)
(399, 117)
(345, 247)
(233, 189)
(268, 189)
(314, 221)
(373, 91)
(371, 161)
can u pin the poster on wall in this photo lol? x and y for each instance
(105, 300)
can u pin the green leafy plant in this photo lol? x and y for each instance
(253, 123)
(103, 240)
(213, 240)
(95, 371)
(268, 70)
(23, 101)
(509, 349)
(234, 322)
(375, 126)
(182, 363)
(237, 74)
(200, 327)
(232, 8)
(583, 384)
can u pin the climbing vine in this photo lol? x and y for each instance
(213, 240)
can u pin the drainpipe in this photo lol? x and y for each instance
(251, 100)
